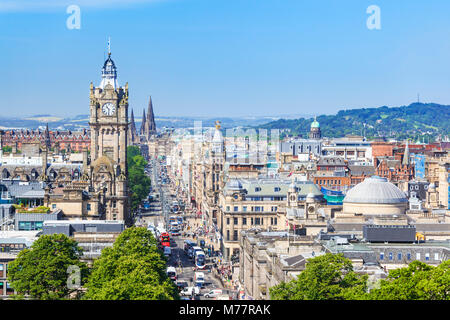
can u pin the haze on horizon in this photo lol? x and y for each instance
(225, 58)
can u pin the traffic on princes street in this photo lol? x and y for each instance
(195, 262)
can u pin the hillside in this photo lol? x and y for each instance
(418, 119)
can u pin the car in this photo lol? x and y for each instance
(167, 251)
(213, 293)
(199, 279)
(181, 285)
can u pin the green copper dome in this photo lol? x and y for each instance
(315, 124)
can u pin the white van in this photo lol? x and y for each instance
(172, 273)
(167, 251)
(213, 293)
(190, 290)
(199, 279)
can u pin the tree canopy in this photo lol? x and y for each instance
(326, 277)
(413, 121)
(133, 269)
(41, 272)
(418, 281)
(139, 182)
(330, 277)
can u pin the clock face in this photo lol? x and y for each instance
(109, 109)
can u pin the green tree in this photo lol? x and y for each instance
(139, 182)
(326, 277)
(418, 281)
(132, 269)
(7, 149)
(41, 271)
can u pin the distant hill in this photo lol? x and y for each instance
(417, 119)
(80, 122)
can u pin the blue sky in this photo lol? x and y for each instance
(225, 57)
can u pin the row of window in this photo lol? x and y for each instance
(408, 256)
(281, 198)
(252, 209)
(253, 221)
(30, 225)
(327, 181)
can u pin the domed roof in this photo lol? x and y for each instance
(109, 73)
(375, 190)
(109, 67)
(315, 124)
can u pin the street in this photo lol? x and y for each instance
(158, 213)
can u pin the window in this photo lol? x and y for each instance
(88, 207)
(417, 256)
(235, 235)
(235, 208)
(228, 220)
(276, 222)
(228, 235)
(53, 206)
(244, 209)
(235, 221)
(408, 256)
(276, 189)
(9, 289)
(427, 257)
(436, 256)
(228, 208)
(262, 220)
(257, 221)
(244, 221)
(381, 255)
(30, 225)
(251, 221)
(257, 189)
(399, 256)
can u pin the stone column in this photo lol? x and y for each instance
(102, 132)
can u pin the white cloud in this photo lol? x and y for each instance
(51, 5)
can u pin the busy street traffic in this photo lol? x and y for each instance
(193, 259)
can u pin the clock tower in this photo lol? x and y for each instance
(109, 128)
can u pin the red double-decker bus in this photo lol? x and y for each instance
(165, 239)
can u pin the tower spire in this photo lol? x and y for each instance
(142, 130)
(109, 46)
(406, 154)
(150, 119)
